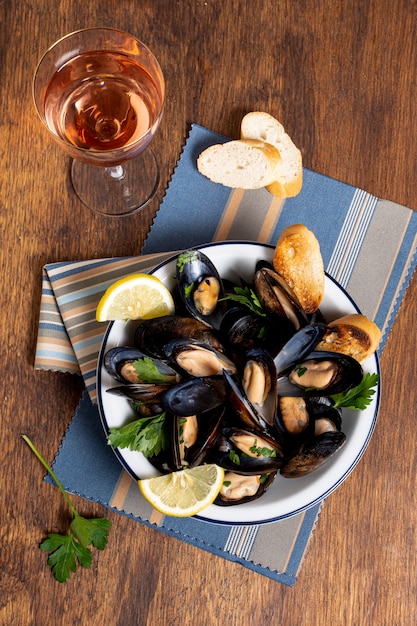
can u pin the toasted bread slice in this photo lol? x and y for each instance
(289, 173)
(352, 334)
(297, 258)
(244, 164)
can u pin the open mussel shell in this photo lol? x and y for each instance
(246, 451)
(320, 374)
(294, 422)
(193, 437)
(238, 488)
(313, 454)
(140, 392)
(197, 359)
(279, 301)
(322, 408)
(242, 330)
(152, 336)
(299, 346)
(253, 393)
(200, 287)
(120, 362)
(194, 396)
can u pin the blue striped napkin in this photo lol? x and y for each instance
(368, 244)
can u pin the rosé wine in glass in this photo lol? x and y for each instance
(100, 93)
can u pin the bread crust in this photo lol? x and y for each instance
(297, 258)
(353, 334)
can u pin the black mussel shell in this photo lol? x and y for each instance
(279, 301)
(242, 330)
(194, 395)
(140, 392)
(153, 335)
(322, 408)
(313, 454)
(193, 436)
(255, 412)
(348, 374)
(200, 287)
(299, 346)
(237, 496)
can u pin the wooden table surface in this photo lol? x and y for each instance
(342, 79)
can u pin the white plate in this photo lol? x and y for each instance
(286, 497)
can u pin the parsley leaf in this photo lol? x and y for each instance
(68, 550)
(146, 434)
(247, 297)
(148, 371)
(360, 396)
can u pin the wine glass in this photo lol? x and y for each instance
(100, 93)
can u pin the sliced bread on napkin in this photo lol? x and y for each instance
(264, 156)
(289, 173)
(244, 164)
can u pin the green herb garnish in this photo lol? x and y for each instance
(66, 550)
(300, 370)
(146, 434)
(148, 372)
(360, 396)
(234, 457)
(227, 483)
(185, 257)
(188, 290)
(247, 297)
(262, 451)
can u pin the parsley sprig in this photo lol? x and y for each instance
(68, 550)
(360, 396)
(146, 434)
(246, 296)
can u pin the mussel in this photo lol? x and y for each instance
(240, 488)
(279, 302)
(320, 373)
(130, 365)
(200, 286)
(193, 437)
(195, 395)
(313, 454)
(198, 359)
(152, 336)
(253, 394)
(246, 451)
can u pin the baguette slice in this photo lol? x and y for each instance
(352, 334)
(297, 258)
(289, 174)
(244, 164)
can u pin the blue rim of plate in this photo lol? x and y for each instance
(314, 501)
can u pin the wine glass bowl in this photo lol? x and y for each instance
(100, 93)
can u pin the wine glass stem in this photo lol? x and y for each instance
(116, 172)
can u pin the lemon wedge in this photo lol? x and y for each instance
(137, 296)
(183, 493)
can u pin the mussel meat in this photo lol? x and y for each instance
(320, 373)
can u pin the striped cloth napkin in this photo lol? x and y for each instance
(368, 245)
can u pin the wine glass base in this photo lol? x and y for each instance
(120, 189)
